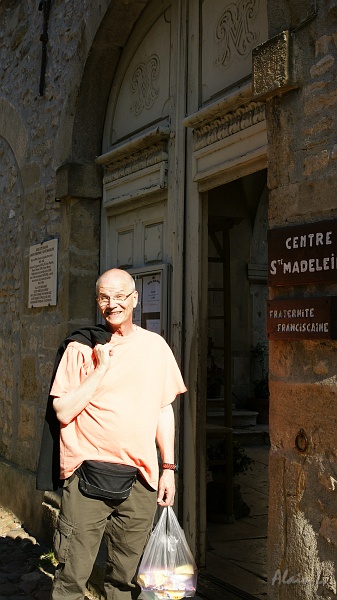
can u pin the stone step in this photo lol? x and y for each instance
(257, 435)
(252, 436)
(244, 418)
(240, 418)
(217, 402)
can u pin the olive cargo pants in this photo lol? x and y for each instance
(82, 523)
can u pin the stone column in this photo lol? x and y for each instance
(79, 189)
(302, 180)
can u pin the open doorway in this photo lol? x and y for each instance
(237, 366)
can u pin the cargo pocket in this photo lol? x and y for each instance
(62, 539)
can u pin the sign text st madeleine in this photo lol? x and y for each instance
(303, 254)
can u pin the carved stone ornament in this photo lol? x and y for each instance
(132, 163)
(225, 126)
(143, 91)
(136, 168)
(235, 33)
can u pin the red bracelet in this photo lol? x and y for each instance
(170, 466)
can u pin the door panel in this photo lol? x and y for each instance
(136, 237)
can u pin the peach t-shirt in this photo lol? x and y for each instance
(119, 424)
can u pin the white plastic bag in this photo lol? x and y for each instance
(167, 569)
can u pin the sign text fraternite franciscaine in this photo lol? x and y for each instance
(302, 318)
(303, 254)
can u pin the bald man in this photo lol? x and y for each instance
(114, 405)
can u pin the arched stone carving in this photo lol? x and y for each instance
(110, 20)
(140, 95)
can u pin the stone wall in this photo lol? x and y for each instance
(11, 217)
(35, 139)
(302, 179)
(50, 187)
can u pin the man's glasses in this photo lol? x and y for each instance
(103, 299)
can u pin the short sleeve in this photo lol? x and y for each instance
(74, 367)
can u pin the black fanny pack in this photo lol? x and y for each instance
(106, 480)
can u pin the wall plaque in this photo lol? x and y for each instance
(303, 254)
(273, 71)
(302, 318)
(42, 274)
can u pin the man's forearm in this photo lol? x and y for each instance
(165, 434)
(68, 406)
(165, 441)
(71, 404)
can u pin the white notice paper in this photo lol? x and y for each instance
(152, 293)
(42, 274)
(153, 325)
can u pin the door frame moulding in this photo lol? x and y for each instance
(230, 139)
(136, 169)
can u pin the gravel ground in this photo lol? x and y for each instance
(26, 566)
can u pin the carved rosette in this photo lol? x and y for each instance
(229, 124)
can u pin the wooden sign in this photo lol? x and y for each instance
(303, 254)
(302, 318)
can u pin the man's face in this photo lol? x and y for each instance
(110, 298)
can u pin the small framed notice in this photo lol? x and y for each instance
(43, 274)
(153, 287)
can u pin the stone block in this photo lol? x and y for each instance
(75, 180)
(52, 335)
(30, 384)
(31, 175)
(292, 203)
(316, 162)
(84, 227)
(322, 66)
(297, 560)
(26, 424)
(35, 203)
(328, 530)
(315, 104)
(273, 72)
(82, 303)
(322, 45)
(294, 406)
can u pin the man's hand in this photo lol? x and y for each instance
(71, 404)
(103, 354)
(166, 488)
